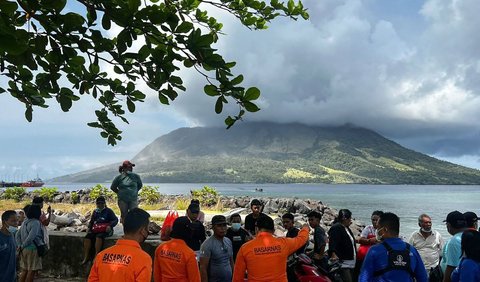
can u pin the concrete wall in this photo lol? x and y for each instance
(66, 253)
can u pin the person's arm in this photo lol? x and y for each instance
(113, 219)
(114, 186)
(92, 220)
(366, 273)
(203, 235)
(232, 263)
(420, 271)
(240, 267)
(333, 235)
(192, 269)
(448, 273)
(139, 183)
(204, 268)
(32, 233)
(296, 243)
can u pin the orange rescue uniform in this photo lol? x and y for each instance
(126, 261)
(265, 257)
(175, 262)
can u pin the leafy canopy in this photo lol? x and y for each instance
(44, 42)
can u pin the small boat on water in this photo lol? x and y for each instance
(36, 182)
(258, 189)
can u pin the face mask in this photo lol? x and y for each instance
(377, 235)
(99, 210)
(12, 229)
(236, 226)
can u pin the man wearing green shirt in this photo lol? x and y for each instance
(126, 186)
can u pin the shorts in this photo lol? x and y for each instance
(126, 206)
(92, 236)
(29, 260)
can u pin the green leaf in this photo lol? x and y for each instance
(211, 90)
(184, 27)
(8, 7)
(28, 113)
(291, 6)
(237, 80)
(130, 105)
(251, 107)
(229, 121)
(2, 90)
(252, 94)
(106, 21)
(57, 5)
(163, 99)
(188, 63)
(219, 105)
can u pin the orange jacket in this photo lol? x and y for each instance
(175, 262)
(126, 261)
(265, 257)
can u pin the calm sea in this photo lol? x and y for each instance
(407, 201)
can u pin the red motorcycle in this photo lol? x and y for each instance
(300, 268)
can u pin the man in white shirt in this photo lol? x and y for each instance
(428, 242)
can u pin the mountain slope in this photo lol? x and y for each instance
(284, 153)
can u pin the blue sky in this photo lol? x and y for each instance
(407, 69)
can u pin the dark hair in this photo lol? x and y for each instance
(288, 216)
(471, 244)
(235, 215)
(390, 221)
(34, 211)
(255, 202)
(314, 214)
(25, 209)
(100, 199)
(265, 222)
(195, 201)
(135, 220)
(377, 213)
(7, 214)
(37, 200)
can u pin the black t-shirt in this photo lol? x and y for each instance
(319, 239)
(292, 233)
(251, 222)
(238, 238)
(197, 233)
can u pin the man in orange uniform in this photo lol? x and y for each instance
(174, 260)
(265, 257)
(126, 261)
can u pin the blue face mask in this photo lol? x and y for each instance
(99, 210)
(12, 229)
(236, 226)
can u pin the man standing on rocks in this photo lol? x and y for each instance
(428, 242)
(216, 254)
(126, 261)
(8, 262)
(319, 240)
(251, 219)
(265, 257)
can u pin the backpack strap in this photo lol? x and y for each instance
(389, 267)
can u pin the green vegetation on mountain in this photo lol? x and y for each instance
(284, 153)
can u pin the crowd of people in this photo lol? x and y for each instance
(253, 252)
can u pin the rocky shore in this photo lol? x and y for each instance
(275, 207)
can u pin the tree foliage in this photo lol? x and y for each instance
(51, 50)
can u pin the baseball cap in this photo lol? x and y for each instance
(456, 219)
(219, 219)
(470, 218)
(194, 208)
(127, 163)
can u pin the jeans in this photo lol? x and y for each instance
(125, 207)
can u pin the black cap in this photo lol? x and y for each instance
(456, 219)
(219, 219)
(194, 208)
(100, 199)
(470, 218)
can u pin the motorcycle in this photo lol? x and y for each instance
(300, 268)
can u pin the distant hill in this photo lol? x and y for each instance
(283, 153)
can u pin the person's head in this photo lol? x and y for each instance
(344, 217)
(195, 201)
(236, 221)
(314, 218)
(21, 216)
(135, 225)
(192, 211)
(9, 221)
(288, 221)
(425, 223)
(455, 222)
(256, 206)
(471, 219)
(181, 229)
(375, 217)
(471, 244)
(126, 166)
(25, 209)
(38, 201)
(34, 212)
(388, 226)
(219, 226)
(101, 203)
(265, 224)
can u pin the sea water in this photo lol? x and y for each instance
(407, 201)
